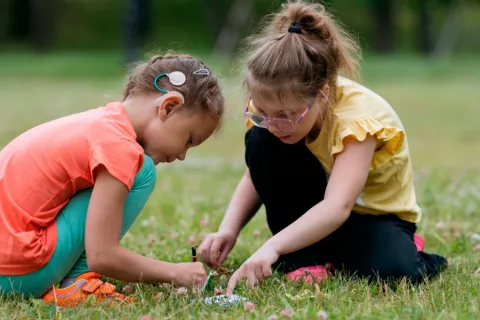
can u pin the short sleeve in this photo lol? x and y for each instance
(122, 159)
(389, 139)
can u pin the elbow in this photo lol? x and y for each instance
(342, 210)
(345, 211)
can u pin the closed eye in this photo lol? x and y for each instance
(279, 114)
(190, 141)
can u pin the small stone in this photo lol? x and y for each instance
(475, 236)
(256, 233)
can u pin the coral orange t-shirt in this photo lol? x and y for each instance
(44, 167)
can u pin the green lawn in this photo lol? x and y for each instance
(438, 102)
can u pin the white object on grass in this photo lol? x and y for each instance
(224, 301)
(476, 237)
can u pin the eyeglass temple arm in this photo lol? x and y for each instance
(248, 103)
(304, 113)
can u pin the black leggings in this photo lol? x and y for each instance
(290, 180)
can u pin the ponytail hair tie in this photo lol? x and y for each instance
(295, 28)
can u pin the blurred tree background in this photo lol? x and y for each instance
(428, 27)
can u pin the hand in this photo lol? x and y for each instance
(216, 247)
(190, 274)
(257, 268)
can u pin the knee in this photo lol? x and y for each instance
(147, 176)
(395, 268)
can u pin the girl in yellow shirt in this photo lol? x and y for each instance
(328, 158)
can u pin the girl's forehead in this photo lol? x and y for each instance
(276, 104)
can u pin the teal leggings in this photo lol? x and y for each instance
(69, 259)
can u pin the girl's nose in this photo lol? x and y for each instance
(182, 156)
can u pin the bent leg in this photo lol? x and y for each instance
(136, 199)
(289, 180)
(382, 247)
(69, 257)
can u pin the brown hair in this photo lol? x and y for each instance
(299, 61)
(201, 92)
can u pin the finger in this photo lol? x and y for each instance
(202, 280)
(197, 290)
(232, 283)
(266, 270)
(200, 277)
(204, 249)
(201, 269)
(199, 283)
(214, 249)
(258, 272)
(251, 278)
(224, 253)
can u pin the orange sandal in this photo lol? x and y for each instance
(85, 285)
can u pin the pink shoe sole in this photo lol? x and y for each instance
(309, 274)
(319, 273)
(419, 242)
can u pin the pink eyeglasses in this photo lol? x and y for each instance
(284, 124)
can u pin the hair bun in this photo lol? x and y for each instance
(280, 60)
(311, 17)
(295, 27)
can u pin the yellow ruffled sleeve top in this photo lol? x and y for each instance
(357, 112)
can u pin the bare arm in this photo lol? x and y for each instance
(347, 180)
(102, 235)
(243, 206)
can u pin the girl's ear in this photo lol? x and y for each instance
(169, 103)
